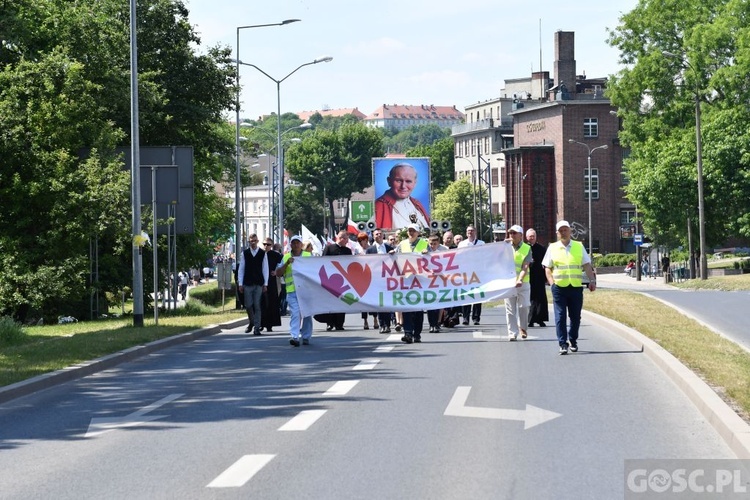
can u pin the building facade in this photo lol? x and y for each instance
(400, 117)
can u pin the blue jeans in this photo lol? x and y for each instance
(253, 294)
(567, 299)
(294, 320)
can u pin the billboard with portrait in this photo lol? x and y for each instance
(402, 192)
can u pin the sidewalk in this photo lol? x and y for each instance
(622, 281)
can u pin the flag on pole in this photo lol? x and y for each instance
(307, 235)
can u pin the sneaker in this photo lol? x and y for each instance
(398, 327)
(407, 339)
(563, 350)
(432, 329)
(305, 341)
(574, 347)
(294, 342)
(387, 329)
(511, 338)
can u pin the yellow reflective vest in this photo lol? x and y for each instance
(567, 266)
(288, 277)
(520, 256)
(421, 246)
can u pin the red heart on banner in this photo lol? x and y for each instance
(359, 275)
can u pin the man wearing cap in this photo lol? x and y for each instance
(285, 268)
(413, 320)
(517, 305)
(564, 264)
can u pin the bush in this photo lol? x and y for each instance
(10, 331)
(193, 307)
(613, 259)
(210, 294)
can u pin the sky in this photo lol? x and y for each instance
(440, 52)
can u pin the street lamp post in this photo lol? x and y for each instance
(272, 185)
(590, 152)
(699, 165)
(279, 150)
(237, 222)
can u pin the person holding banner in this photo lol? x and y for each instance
(413, 320)
(471, 310)
(285, 268)
(564, 263)
(341, 247)
(380, 246)
(517, 305)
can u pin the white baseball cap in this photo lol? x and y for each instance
(516, 228)
(562, 223)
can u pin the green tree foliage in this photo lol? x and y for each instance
(332, 122)
(338, 161)
(414, 136)
(441, 162)
(456, 204)
(64, 90)
(303, 205)
(676, 51)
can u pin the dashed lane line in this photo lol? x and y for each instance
(367, 364)
(303, 420)
(341, 388)
(241, 471)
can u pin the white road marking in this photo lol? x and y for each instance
(394, 337)
(479, 335)
(384, 348)
(303, 421)
(341, 388)
(99, 426)
(241, 471)
(366, 364)
(531, 416)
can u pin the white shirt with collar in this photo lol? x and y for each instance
(468, 243)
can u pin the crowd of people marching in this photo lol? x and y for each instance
(266, 285)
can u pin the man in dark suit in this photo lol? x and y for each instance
(380, 246)
(341, 247)
(253, 274)
(539, 311)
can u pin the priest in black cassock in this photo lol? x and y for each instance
(539, 312)
(271, 313)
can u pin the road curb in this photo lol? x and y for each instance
(734, 430)
(47, 380)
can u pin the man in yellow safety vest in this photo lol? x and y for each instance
(413, 320)
(285, 268)
(517, 306)
(564, 264)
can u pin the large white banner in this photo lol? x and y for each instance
(404, 282)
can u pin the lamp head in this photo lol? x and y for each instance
(323, 59)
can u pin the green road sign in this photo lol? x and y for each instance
(361, 211)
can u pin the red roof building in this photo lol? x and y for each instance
(399, 117)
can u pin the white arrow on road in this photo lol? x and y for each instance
(531, 416)
(99, 426)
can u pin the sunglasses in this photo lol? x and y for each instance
(267, 244)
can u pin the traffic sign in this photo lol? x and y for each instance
(360, 210)
(638, 239)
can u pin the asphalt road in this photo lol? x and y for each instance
(355, 415)
(724, 312)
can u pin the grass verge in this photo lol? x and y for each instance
(43, 349)
(722, 364)
(730, 283)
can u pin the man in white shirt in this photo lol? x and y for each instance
(471, 310)
(253, 281)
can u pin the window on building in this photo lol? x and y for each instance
(627, 215)
(590, 127)
(494, 175)
(502, 177)
(594, 184)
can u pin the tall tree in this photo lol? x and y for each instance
(457, 205)
(64, 88)
(441, 162)
(674, 53)
(339, 162)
